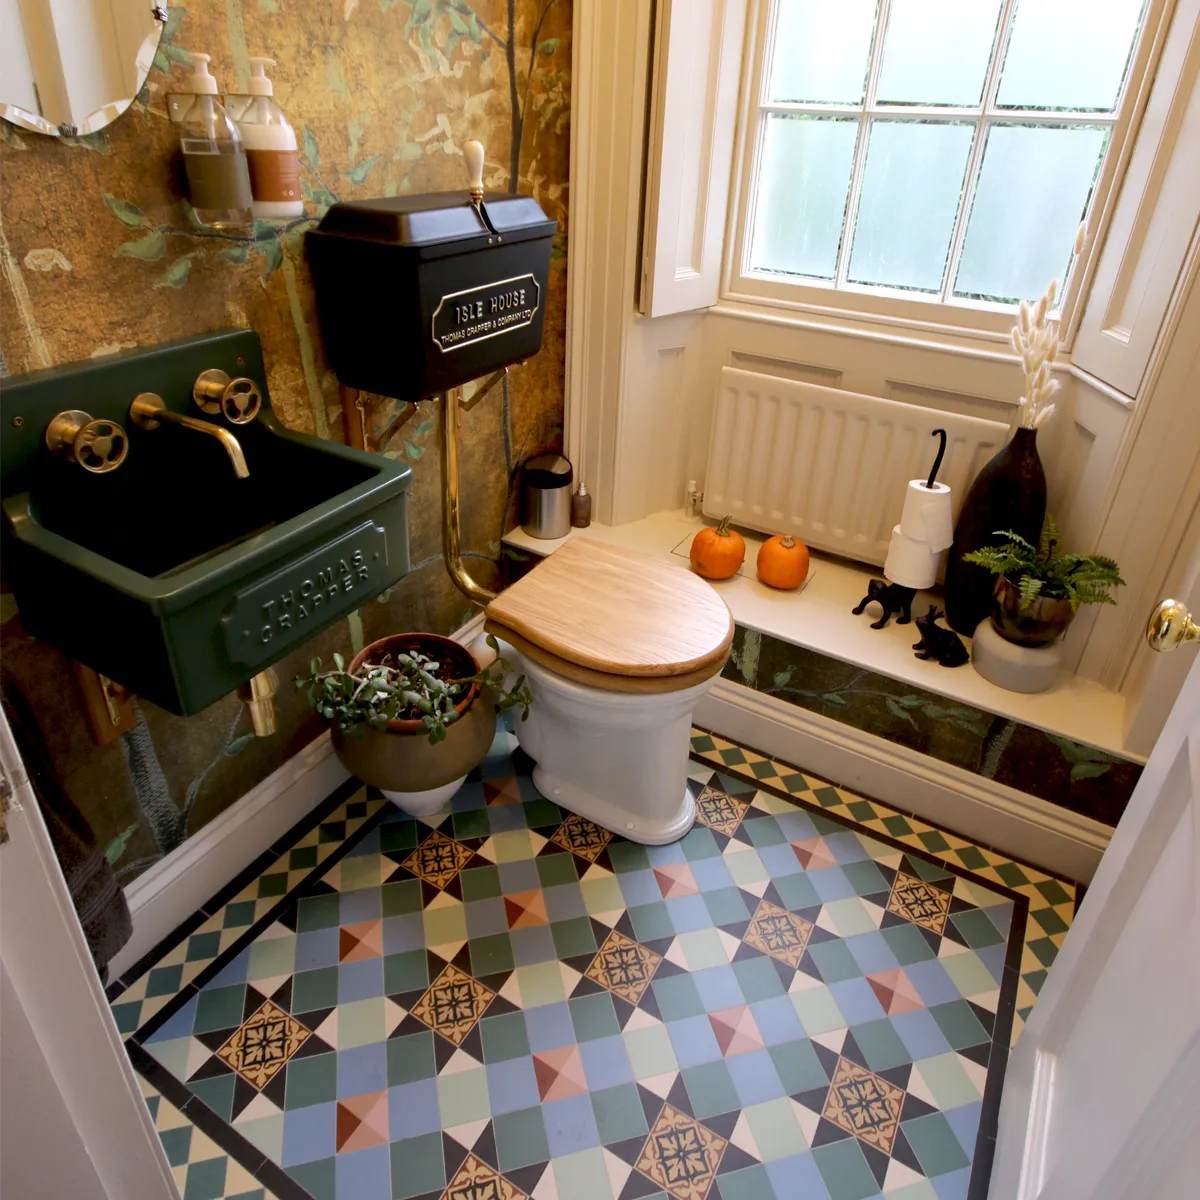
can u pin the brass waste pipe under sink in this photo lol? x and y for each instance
(148, 411)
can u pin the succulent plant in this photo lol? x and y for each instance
(407, 686)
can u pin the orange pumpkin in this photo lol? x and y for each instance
(783, 562)
(717, 553)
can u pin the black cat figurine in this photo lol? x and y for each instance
(892, 598)
(936, 642)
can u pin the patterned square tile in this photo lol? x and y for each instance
(681, 1155)
(624, 967)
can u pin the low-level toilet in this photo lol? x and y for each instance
(618, 647)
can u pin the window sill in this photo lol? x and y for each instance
(901, 331)
(819, 618)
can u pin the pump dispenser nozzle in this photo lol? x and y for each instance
(200, 81)
(259, 84)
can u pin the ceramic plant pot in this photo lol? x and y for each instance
(1008, 493)
(1038, 624)
(418, 776)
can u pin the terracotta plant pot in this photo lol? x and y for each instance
(400, 760)
(1038, 624)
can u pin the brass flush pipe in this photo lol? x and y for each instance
(258, 695)
(451, 535)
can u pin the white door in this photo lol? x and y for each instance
(72, 1120)
(1102, 1094)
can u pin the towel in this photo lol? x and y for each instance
(98, 899)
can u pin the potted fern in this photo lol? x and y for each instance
(1038, 589)
(413, 714)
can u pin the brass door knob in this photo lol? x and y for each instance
(97, 446)
(1170, 625)
(237, 399)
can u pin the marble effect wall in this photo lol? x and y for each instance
(98, 254)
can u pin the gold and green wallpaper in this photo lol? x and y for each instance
(98, 253)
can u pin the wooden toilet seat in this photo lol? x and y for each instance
(615, 619)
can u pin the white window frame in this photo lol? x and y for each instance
(945, 314)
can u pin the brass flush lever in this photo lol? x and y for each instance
(237, 399)
(97, 446)
(148, 411)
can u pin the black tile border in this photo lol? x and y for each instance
(989, 1113)
(243, 1152)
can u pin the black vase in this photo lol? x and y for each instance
(1009, 493)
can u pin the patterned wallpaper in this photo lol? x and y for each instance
(98, 254)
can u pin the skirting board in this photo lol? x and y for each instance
(163, 897)
(988, 812)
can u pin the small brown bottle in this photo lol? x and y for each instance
(581, 508)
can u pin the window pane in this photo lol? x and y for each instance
(803, 184)
(1033, 191)
(821, 51)
(937, 51)
(910, 192)
(1068, 53)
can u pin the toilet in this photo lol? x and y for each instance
(618, 647)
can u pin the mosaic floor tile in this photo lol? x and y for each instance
(808, 995)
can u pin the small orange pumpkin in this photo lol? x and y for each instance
(783, 562)
(717, 553)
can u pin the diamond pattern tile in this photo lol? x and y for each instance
(801, 997)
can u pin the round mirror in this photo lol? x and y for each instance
(73, 69)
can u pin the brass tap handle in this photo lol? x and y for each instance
(238, 400)
(97, 446)
(1171, 625)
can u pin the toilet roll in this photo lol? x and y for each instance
(927, 516)
(911, 563)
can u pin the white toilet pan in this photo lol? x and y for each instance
(618, 758)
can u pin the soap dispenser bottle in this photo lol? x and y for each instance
(213, 156)
(270, 143)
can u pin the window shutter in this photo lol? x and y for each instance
(697, 69)
(1153, 222)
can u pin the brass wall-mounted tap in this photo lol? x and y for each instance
(148, 411)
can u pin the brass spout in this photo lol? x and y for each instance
(451, 538)
(258, 695)
(148, 411)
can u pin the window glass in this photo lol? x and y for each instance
(821, 51)
(1068, 54)
(802, 190)
(937, 51)
(910, 195)
(1033, 191)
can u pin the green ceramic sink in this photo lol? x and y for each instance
(168, 573)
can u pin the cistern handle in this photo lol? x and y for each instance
(473, 156)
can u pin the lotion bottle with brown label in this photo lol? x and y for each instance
(270, 143)
(213, 157)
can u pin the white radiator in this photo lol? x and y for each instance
(829, 466)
